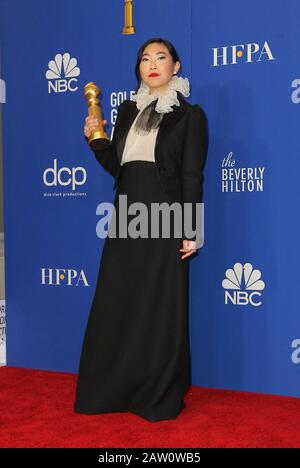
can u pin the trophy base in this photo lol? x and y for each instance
(98, 133)
(128, 30)
(99, 143)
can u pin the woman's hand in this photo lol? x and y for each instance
(91, 123)
(188, 246)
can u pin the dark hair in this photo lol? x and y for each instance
(149, 118)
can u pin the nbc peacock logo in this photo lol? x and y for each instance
(62, 74)
(243, 285)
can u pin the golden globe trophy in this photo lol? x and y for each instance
(98, 138)
(128, 21)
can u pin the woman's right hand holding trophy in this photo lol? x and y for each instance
(91, 123)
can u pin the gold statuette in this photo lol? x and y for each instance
(91, 93)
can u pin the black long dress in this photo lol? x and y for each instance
(136, 355)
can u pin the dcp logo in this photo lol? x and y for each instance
(64, 176)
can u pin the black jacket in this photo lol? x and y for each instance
(180, 149)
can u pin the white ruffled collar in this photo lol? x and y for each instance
(165, 101)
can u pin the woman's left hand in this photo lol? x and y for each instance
(188, 246)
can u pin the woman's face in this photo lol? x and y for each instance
(157, 60)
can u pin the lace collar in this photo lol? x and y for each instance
(165, 101)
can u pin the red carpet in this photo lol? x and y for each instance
(37, 411)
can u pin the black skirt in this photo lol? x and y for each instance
(136, 354)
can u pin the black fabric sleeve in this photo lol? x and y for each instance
(193, 163)
(107, 156)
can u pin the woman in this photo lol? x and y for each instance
(135, 355)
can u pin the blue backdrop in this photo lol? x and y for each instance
(243, 65)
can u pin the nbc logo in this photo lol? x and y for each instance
(243, 277)
(62, 73)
